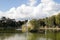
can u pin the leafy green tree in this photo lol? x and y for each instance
(58, 20)
(35, 24)
(41, 22)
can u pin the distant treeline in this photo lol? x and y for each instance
(7, 23)
(52, 21)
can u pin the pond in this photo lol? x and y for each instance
(30, 36)
(13, 36)
(42, 36)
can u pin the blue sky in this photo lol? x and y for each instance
(58, 1)
(7, 4)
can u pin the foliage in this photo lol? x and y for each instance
(51, 21)
(7, 23)
(35, 23)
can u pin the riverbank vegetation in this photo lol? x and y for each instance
(12, 24)
(35, 24)
(49, 22)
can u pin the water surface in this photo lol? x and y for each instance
(43, 36)
(30, 36)
(13, 36)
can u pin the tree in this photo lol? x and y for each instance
(35, 24)
(58, 20)
(41, 22)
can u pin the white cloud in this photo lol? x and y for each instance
(44, 9)
(32, 2)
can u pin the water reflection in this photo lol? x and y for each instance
(30, 36)
(12, 36)
(47, 36)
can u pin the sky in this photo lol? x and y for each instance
(29, 9)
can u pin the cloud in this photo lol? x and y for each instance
(32, 2)
(44, 9)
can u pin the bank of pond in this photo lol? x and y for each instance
(31, 31)
(10, 31)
